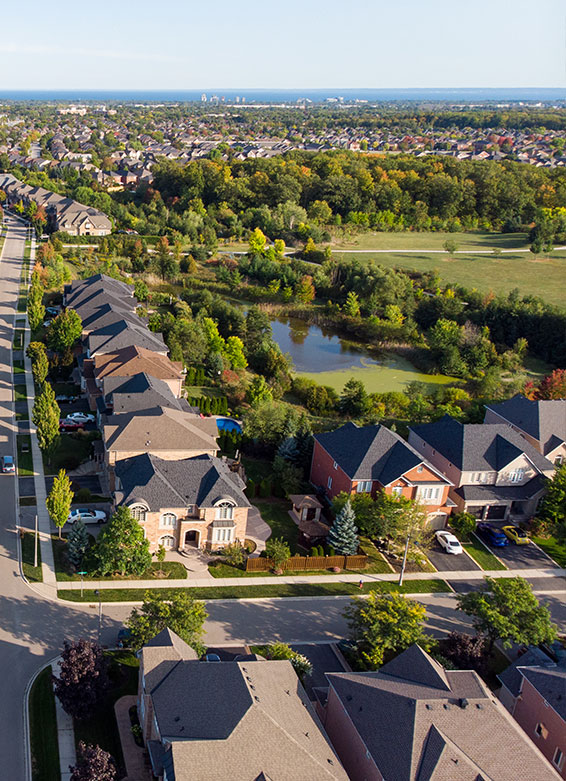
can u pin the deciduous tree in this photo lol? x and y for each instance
(121, 546)
(180, 612)
(45, 416)
(82, 680)
(64, 330)
(93, 764)
(59, 501)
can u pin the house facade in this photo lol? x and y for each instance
(494, 471)
(373, 459)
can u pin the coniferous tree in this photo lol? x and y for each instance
(77, 543)
(343, 535)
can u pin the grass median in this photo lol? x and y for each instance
(43, 729)
(268, 591)
(482, 555)
(33, 574)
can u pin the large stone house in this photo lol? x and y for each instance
(542, 423)
(194, 502)
(370, 459)
(496, 472)
(249, 720)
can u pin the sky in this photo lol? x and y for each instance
(182, 44)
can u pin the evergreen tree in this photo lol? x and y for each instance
(77, 543)
(343, 534)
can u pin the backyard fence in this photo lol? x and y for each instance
(261, 564)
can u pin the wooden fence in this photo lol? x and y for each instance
(261, 564)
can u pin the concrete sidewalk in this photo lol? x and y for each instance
(345, 577)
(65, 735)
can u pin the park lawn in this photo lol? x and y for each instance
(543, 276)
(101, 729)
(20, 393)
(400, 240)
(25, 460)
(482, 555)
(71, 451)
(552, 548)
(33, 574)
(43, 729)
(436, 586)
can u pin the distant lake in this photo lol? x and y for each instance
(323, 356)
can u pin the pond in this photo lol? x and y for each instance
(318, 353)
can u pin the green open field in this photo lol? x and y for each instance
(430, 241)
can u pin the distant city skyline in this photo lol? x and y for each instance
(176, 45)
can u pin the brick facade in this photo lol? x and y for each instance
(531, 710)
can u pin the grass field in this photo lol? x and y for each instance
(43, 729)
(552, 548)
(482, 555)
(270, 591)
(397, 241)
(25, 459)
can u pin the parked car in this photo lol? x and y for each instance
(212, 658)
(81, 417)
(47, 323)
(516, 535)
(70, 425)
(449, 542)
(493, 535)
(124, 637)
(86, 515)
(64, 399)
(8, 464)
(52, 310)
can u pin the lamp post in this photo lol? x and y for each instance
(82, 573)
(401, 574)
(98, 594)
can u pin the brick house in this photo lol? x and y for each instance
(496, 472)
(370, 459)
(195, 502)
(412, 720)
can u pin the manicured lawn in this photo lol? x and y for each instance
(275, 512)
(397, 241)
(102, 729)
(25, 460)
(73, 449)
(270, 591)
(43, 729)
(377, 564)
(20, 393)
(552, 548)
(482, 555)
(33, 574)
(196, 391)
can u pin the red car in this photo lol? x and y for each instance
(70, 425)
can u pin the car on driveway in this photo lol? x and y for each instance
(86, 515)
(70, 425)
(64, 399)
(516, 535)
(492, 535)
(449, 542)
(81, 417)
(52, 310)
(8, 464)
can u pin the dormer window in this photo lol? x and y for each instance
(224, 511)
(516, 475)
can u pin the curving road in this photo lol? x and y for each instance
(32, 627)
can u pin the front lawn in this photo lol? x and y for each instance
(552, 548)
(25, 458)
(270, 591)
(43, 729)
(101, 729)
(482, 555)
(72, 451)
(18, 367)
(33, 574)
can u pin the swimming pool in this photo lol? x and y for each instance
(228, 424)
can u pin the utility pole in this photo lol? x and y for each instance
(401, 574)
(99, 595)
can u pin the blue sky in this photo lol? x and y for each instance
(179, 44)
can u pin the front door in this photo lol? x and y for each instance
(191, 538)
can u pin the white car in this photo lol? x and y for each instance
(86, 516)
(81, 417)
(449, 542)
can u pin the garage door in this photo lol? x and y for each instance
(496, 512)
(437, 520)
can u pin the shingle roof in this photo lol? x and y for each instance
(122, 333)
(420, 732)
(370, 452)
(202, 481)
(511, 677)
(504, 493)
(126, 394)
(550, 684)
(159, 429)
(544, 420)
(134, 360)
(478, 446)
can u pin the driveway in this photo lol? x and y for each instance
(528, 556)
(92, 482)
(448, 562)
(323, 660)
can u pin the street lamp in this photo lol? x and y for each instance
(99, 595)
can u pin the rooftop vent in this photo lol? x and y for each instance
(463, 702)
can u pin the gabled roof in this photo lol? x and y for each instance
(544, 420)
(159, 429)
(105, 314)
(201, 481)
(479, 446)
(371, 452)
(122, 333)
(140, 392)
(417, 666)
(133, 360)
(550, 684)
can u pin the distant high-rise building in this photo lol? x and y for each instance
(237, 98)
(203, 97)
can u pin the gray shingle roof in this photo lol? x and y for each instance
(370, 452)
(503, 493)
(127, 394)
(478, 446)
(121, 334)
(201, 481)
(550, 684)
(544, 420)
(511, 677)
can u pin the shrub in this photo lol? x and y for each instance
(463, 524)
(83, 495)
(265, 488)
(539, 527)
(278, 551)
(251, 488)
(234, 554)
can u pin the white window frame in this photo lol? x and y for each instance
(516, 475)
(558, 758)
(429, 493)
(329, 483)
(167, 537)
(363, 487)
(168, 521)
(397, 490)
(224, 511)
(559, 460)
(335, 465)
(137, 511)
(224, 534)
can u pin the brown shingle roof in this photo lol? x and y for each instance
(133, 360)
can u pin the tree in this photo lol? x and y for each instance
(506, 609)
(384, 623)
(183, 614)
(450, 246)
(352, 305)
(354, 400)
(121, 546)
(166, 264)
(343, 533)
(465, 651)
(93, 764)
(288, 476)
(464, 524)
(35, 308)
(300, 663)
(553, 386)
(82, 680)
(45, 416)
(552, 509)
(258, 391)
(256, 242)
(59, 501)
(77, 543)
(304, 290)
(39, 362)
(234, 352)
(278, 551)
(64, 330)
(160, 554)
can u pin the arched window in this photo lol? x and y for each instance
(168, 520)
(167, 541)
(224, 511)
(139, 512)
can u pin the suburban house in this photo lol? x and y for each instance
(495, 472)
(131, 394)
(79, 288)
(115, 336)
(194, 502)
(369, 459)
(412, 720)
(542, 423)
(168, 433)
(245, 720)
